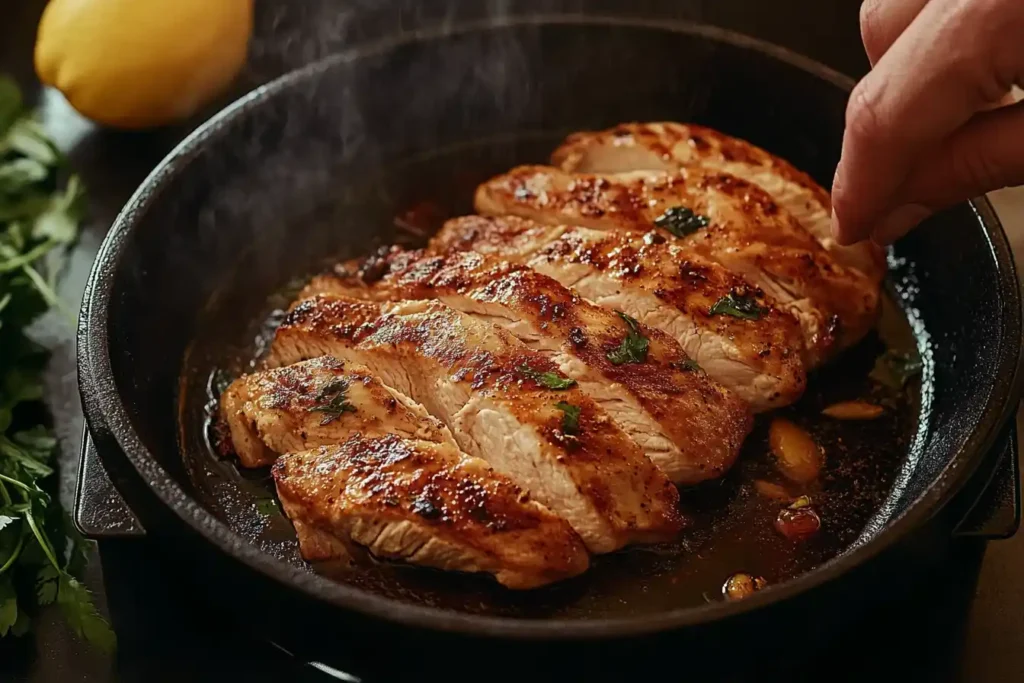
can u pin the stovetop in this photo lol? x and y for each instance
(965, 622)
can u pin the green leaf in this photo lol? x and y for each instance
(58, 223)
(10, 104)
(549, 380)
(37, 442)
(20, 173)
(47, 585)
(570, 417)
(8, 606)
(738, 306)
(633, 348)
(895, 368)
(81, 615)
(681, 221)
(5, 521)
(332, 401)
(28, 138)
(268, 507)
(688, 365)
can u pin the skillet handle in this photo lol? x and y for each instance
(995, 513)
(100, 511)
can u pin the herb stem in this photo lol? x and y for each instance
(41, 538)
(15, 483)
(28, 258)
(48, 294)
(5, 495)
(15, 554)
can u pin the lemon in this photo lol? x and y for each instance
(141, 63)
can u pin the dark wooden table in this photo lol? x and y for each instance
(965, 623)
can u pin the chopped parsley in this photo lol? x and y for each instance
(633, 348)
(894, 369)
(332, 402)
(549, 380)
(688, 365)
(570, 417)
(681, 221)
(738, 306)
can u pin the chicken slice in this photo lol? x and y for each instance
(427, 504)
(714, 214)
(318, 402)
(689, 427)
(664, 286)
(504, 403)
(670, 146)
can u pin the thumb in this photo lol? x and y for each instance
(985, 154)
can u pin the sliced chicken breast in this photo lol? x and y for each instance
(670, 146)
(689, 427)
(716, 215)
(318, 402)
(427, 504)
(753, 350)
(504, 403)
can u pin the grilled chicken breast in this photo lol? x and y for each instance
(756, 354)
(504, 403)
(687, 425)
(716, 215)
(424, 503)
(670, 146)
(317, 402)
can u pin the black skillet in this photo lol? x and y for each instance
(313, 166)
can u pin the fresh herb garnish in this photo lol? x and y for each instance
(894, 369)
(681, 221)
(268, 507)
(332, 401)
(550, 380)
(41, 553)
(633, 348)
(738, 306)
(688, 365)
(570, 417)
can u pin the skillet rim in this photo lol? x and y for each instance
(106, 414)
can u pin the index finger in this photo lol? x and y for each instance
(953, 60)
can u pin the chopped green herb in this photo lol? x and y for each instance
(681, 221)
(550, 380)
(570, 417)
(633, 348)
(688, 365)
(894, 369)
(738, 306)
(41, 553)
(332, 402)
(267, 507)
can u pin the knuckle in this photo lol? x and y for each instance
(863, 120)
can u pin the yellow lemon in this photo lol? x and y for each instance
(141, 63)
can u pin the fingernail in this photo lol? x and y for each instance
(898, 223)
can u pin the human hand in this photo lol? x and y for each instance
(932, 124)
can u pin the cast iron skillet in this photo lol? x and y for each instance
(292, 177)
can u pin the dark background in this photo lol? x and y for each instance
(964, 622)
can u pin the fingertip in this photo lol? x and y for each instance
(898, 223)
(841, 232)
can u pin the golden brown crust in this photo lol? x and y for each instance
(483, 520)
(649, 263)
(746, 231)
(668, 146)
(636, 500)
(706, 422)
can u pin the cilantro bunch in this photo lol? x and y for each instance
(41, 553)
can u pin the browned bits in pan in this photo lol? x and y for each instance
(742, 585)
(854, 410)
